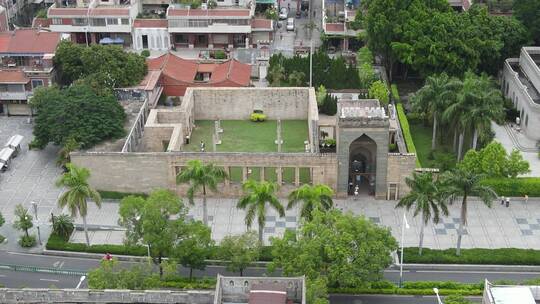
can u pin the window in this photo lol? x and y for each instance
(3, 87)
(98, 22)
(112, 21)
(125, 21)
(180, 38)
(56, 21)
(37, 83)
(79, 21)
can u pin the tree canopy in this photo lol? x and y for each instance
(76, 112)
(431, 38)
(528, 12)
(493, 161)
(240, 251)
(350, 251)
(101, 65)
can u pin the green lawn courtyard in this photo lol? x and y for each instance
(421, 135)
(248, 136)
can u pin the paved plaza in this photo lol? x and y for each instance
(33, 174)
(511, 138)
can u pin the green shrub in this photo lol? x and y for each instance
(404, 123)
(514, 186)
(481, 256)
(415, 118)
(395, 94)
(257, 117)
(62, 226)
(329, 105)
(220, 54)
(56, 242)
(27, 241)
(145, 53)
(392, 148)
(118, 195)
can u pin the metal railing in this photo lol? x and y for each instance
(28, 268)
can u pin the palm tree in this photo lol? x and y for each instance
(314, 197)
(257, 195)
(201, 177)
(77, 194)
(460, 183)
(433, 98)
(486, 105)
(425, 198)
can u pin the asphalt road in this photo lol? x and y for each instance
(388, 299)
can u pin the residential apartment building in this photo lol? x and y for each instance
(25, 64)
(95, 21)
(521, 84)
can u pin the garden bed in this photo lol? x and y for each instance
(473, 256)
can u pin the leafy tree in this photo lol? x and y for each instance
(317, 291)
(378, 90)
(493, 161)
(462, 184)
(433, 98)
(110, 66)
(194, 248)
(111, 275)
(276, 75)
(157, 221)
(62, 225)
(77, 114)
(297, 79)
(528, 12)
(321, 95)
(313, 197)
(240, 251)
(77, 194)
(348, 250)
(425, 198)
(257, 197)
(201, 177)
(366, 73)
(23, 219)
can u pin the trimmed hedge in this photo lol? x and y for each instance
(394, 92)
(56, 242)
(416, 288)
(406, 131)
(481, 256)
(118, 195)
(515, 186)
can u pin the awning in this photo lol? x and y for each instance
(118, 40)
(265, 1)
(106, 40)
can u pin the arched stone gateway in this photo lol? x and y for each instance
(362, 166)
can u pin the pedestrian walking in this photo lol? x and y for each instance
(502, 200)
(526, 198)
(507, 202)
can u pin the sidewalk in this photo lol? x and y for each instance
(511, 139)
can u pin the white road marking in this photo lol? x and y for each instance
(49, 280)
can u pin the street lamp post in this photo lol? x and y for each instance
(404, 226)
(436, 290)
(80, 281)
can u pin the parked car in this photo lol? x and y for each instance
(283, 13)
(290, 24)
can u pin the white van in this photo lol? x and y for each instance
(290, 24)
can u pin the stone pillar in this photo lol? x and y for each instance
(296, 176)
(191, 41)
(262, 173)
(210, 41)
(227, 182)
(244, 174)
(279, 175)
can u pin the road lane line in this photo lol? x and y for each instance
(49, 280)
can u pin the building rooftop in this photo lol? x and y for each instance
(511, 295)
(29, 42)
(15, 76)
(103, 11)
(526, 82)
(262, 24)
(150, 23)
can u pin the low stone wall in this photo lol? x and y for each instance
(26, 295)
(239, 103)
(143, 172)
(400, 166)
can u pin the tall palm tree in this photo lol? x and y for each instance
(460, 183)
(486, 105)
(426, 200)
(313, 197)
(201, 177)
(77, 193)
(433, 98)
(257, 196)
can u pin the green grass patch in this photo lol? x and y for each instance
(248, 136)
(480, 256)
(441, 157)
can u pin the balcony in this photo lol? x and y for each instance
(15, 95)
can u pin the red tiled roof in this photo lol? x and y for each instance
(335, 27)
(138, 23)
(112, 11)
(29, 41)
(13, 76)
(185, 70)
(261, 24)
(209, 12)
(67, 11)
(268, 294)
